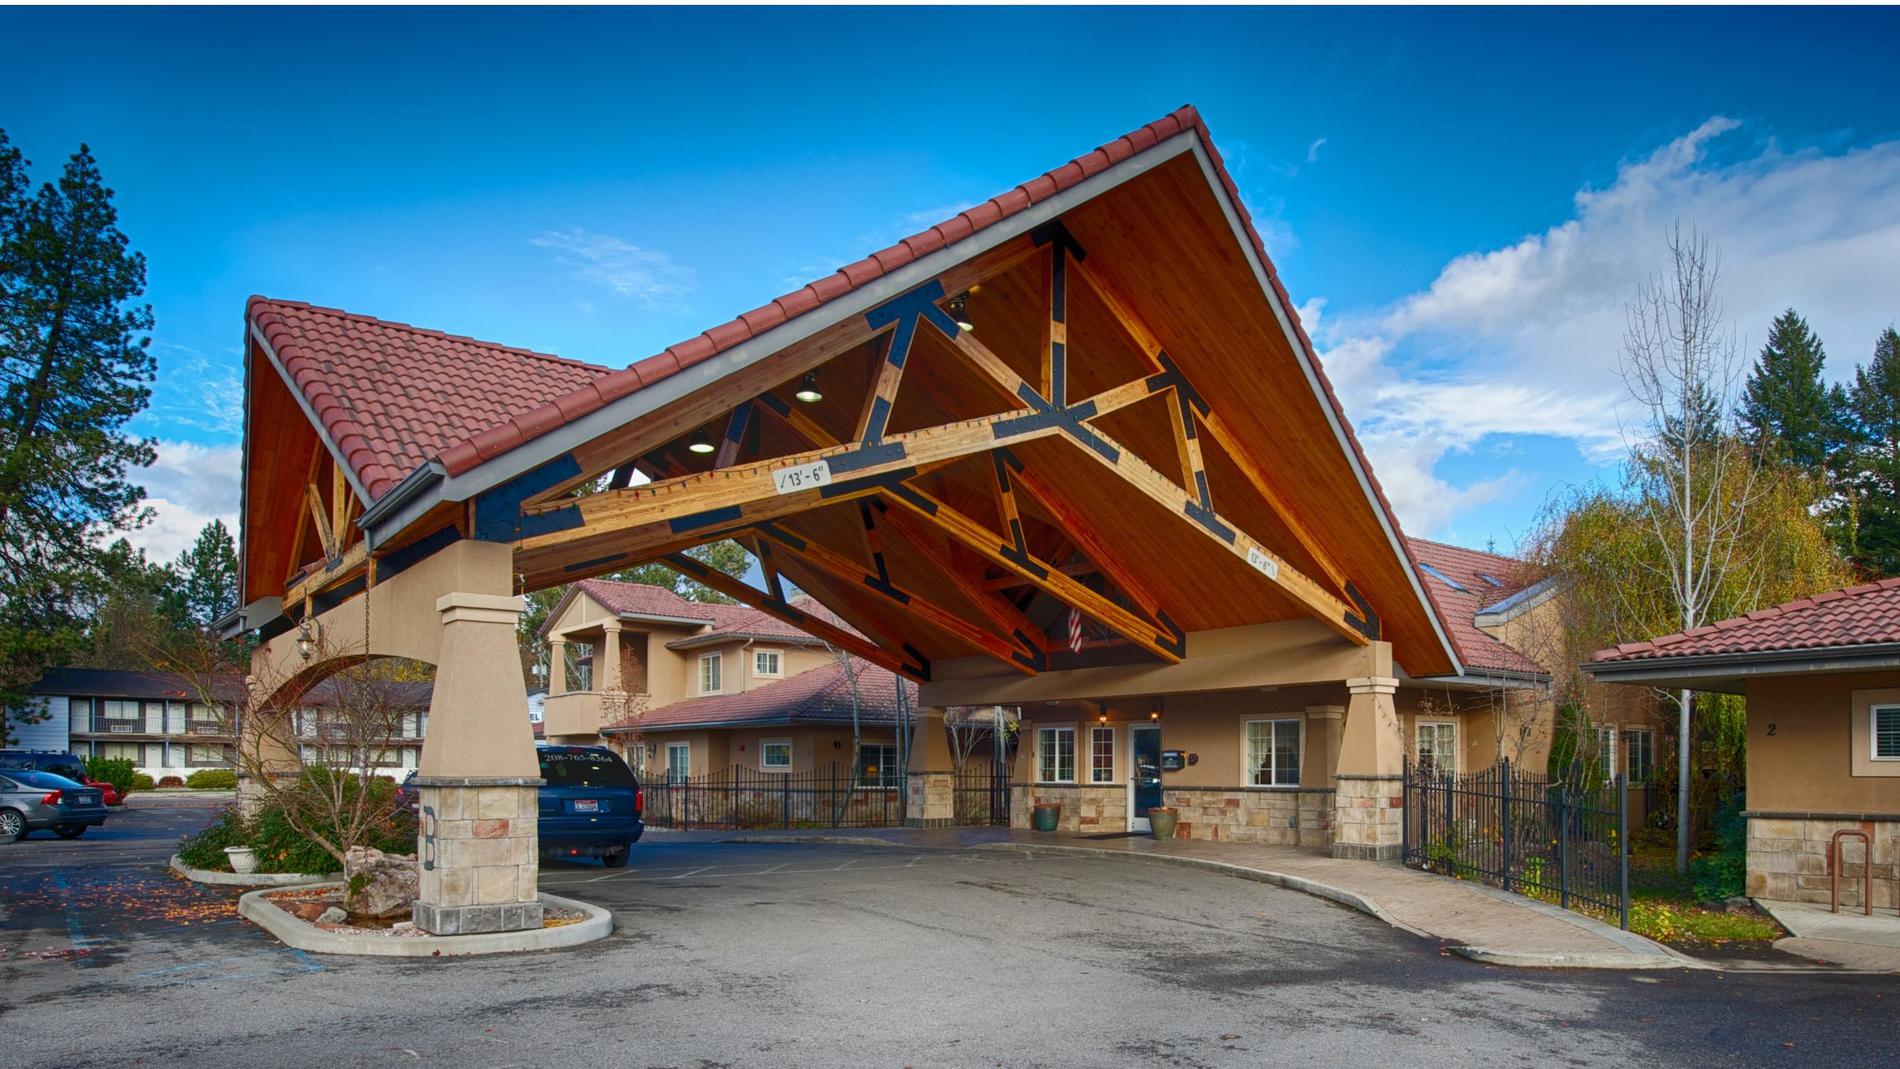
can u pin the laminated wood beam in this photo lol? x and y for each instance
(775, 606)
(838, 566)
(321, 518)
(1163, 639)
(1000, 611)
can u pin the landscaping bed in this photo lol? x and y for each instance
(1701, 911)
(283, 914)
(315, 905)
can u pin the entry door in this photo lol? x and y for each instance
(1144, 780)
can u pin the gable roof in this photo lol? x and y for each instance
(723, 622)
(1859, 616)
(1464, 582)
(821, 695)
(390, 397)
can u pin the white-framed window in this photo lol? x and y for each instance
(877, 765)
(775, 753)
(679, 762)
(1606, 750)
(1273, 752)
(81, 714)
(1437, 746)
(1055, 755)
(709, 673)
(1639, 750)
(1101, 754)
(1883, 729)
(766, 663)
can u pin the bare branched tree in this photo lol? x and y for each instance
(1682, 365)
(970, 726)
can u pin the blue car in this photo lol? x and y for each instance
(591, 803)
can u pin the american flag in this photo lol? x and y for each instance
(1075, 630)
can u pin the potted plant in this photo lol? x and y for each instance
(242, 858)
(1048, 815)
(1162, 821)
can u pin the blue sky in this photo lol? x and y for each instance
(1460, 201)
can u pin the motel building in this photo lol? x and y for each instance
(1069, 451)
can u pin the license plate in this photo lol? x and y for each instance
(587, 805)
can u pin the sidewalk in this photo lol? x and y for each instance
(1848, 938)
(1479, 922)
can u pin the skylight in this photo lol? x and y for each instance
(1445, 579)
(1492, 579)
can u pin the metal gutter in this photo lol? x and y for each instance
(1740, 666)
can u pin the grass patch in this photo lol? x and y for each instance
(1692, 926)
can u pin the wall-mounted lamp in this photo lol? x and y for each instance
(959, 309)
(701, 443)
(1154, 709)
(808, 389)
(308, 634)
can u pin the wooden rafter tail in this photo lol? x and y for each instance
(1151, 349)
(778, 609)
(838, 566)
(1161, 639)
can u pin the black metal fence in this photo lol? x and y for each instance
(1562, 841)
(981, 795)
(740, 797)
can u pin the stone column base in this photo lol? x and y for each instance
(1367, 817)
(479, 853)
(930, 800)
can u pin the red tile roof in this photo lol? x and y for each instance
(1863, 615)
(392, 396)
(819, 695)
(738, 621)
(528, 413)
(1459, 608)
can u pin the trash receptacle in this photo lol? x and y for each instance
(1047, 817)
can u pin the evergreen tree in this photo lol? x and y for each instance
(1876, 476)
(135, 611)
(74, 368)
(1784, 402)
(208, 575)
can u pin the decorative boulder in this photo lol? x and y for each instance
(379, 885)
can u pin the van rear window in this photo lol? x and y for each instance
(585, 770)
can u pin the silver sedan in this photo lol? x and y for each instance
(30, 801)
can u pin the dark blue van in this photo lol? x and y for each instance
(590, 805)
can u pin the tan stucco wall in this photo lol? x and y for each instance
(717, 750)
(1806, 764)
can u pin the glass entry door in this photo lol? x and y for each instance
(1144, 781)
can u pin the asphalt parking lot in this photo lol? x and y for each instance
(783, 955)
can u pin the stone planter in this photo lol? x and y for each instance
(1047, 816)
(1162, 821)
(242, 859)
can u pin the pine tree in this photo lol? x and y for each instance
(74, 368)
(1876, 477)
(208, 575)
(1784, 401)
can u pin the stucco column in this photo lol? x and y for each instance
(262, 746)
(479, 776)
(930, 800)
(557, 666)
(1367, 778)
(614, 706)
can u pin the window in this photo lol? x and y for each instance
(775, 753)
(1884, 722)
(199, 756)
(580, 665)
(1055, 755)
(1640, 747)
(877, 766)
(1606, 752)
(1101, 755)
(679, 762)
(709, 674)
(1445, 579)
(1273, 753)
(81, 715)
(1437, 747)
(765, 663)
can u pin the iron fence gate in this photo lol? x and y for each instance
(831, 796)
(981, 795)
(1559, 841)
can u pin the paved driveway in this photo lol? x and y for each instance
(777, 955)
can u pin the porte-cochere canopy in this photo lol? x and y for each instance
(1085, 405)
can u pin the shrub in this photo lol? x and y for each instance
(141, 782)
(117, 771)
(171, 781)
(282, 848)
(205, 849)
(212, 779)
(1721, 874)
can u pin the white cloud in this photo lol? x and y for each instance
(1524, 339)
(621, 267)
(205, 393)
(1312, 150)
(187, 487)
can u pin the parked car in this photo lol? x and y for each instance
(31, 801)
(59, 763)
(591, 803)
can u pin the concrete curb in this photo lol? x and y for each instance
(247, 879)
(291, 931)
(826, 840)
